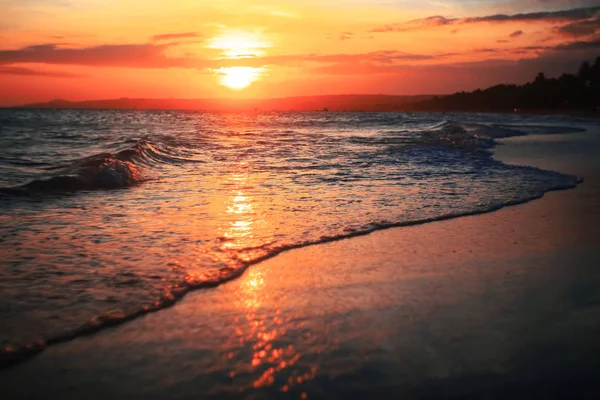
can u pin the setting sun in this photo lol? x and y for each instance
(238, 78)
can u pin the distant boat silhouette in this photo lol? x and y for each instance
(325, 109)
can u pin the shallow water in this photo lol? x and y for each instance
(108, 214)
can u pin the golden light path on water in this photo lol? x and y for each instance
(263, 323)
(245, 216)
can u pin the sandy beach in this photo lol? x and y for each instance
(504, 304)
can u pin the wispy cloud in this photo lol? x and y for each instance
(577, 14)
(283, 14)
(381, 57)
(497, 57)
(170, 36)
(436, 20)
(516, 34)
(108, 55)
(563, 15)
(155, 56)
(580, 28)
(581, 45)
(9, 70)
(150, 55)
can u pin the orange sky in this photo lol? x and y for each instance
(94, 49)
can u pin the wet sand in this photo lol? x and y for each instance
(496, 305)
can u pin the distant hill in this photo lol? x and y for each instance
(580, 92)
(304, 103)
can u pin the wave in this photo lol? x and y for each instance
(109, 174)
(480, 137)
(452, 134)
(123, 168)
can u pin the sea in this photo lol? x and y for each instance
(106, 215)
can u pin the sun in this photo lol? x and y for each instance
(239, 45)
(238, 78)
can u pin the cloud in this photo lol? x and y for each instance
(382, 57)
(283, 14)
(154, 56)
(580, 28)
(576, 14)
(170, 36)
(516, 34)
(346, 36)
(108, 55)
(576, 46)
(9, 70)
(58, 3)
(456, 76)
(362, 68)
(540, 57)
(150, 55)
(435, 20)
(567, 47)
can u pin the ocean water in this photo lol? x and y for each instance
(107, 215)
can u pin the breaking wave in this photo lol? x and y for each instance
(125, 168)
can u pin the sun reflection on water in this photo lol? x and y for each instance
(239, 231)
(272, 357)
(262, 329)
(264, 351)
(244, 234)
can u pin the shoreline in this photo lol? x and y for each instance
(11, 356)
(321, 299)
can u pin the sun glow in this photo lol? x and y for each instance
(239, 44)
(238, 78)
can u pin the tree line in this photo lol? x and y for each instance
(579, 91)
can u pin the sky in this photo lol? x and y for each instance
(102, 49)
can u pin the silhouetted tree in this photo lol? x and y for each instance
(540, 79)
(568, 92)
(585, 72)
